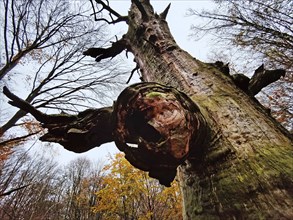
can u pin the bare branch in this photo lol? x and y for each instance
(132, 72)
(13, 190)
(17, 139)
(263, 78)
(106, 7)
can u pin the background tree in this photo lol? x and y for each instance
(84, 180)
(34, 182)
(129, 193)
(34, 187)
(43, 43)
(235, 161)
(29, 25)
(255, 32)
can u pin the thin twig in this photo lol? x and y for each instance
(13, 190)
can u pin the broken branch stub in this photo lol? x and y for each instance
(157, 127)
(78, 133)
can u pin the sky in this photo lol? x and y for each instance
(178, 22)
(179, 25)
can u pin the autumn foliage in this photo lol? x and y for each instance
(33, 187)
(129, 193)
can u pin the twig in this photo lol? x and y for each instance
(110, 10)
(13, 190)
(3, 143)
(132, 72)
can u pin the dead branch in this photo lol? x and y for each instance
(13, 190)
(23, 105)
(263, 78)
(110, 52)
(260, 79)
(132, 72)
(17, 139)
(78, 133)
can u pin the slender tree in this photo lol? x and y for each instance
(235, 161)
(26, 186)
(34, 187)
(50, 36)
(83, 181)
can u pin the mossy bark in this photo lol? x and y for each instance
(246, 172)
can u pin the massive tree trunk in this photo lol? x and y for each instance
(246, 171)
(243, 165)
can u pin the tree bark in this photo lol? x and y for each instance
(246, 171)
(244, 168)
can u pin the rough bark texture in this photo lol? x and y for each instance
(247, 171)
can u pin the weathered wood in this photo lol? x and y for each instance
(262, 77)
(247, 171)
(77, 133)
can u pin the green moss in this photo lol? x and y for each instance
(197, 209)
(155, 94)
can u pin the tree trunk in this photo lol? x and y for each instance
(246, 169)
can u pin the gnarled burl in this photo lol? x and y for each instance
(164, 124)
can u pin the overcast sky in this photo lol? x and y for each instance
(179, 25)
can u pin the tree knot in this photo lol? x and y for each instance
(156, 126)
